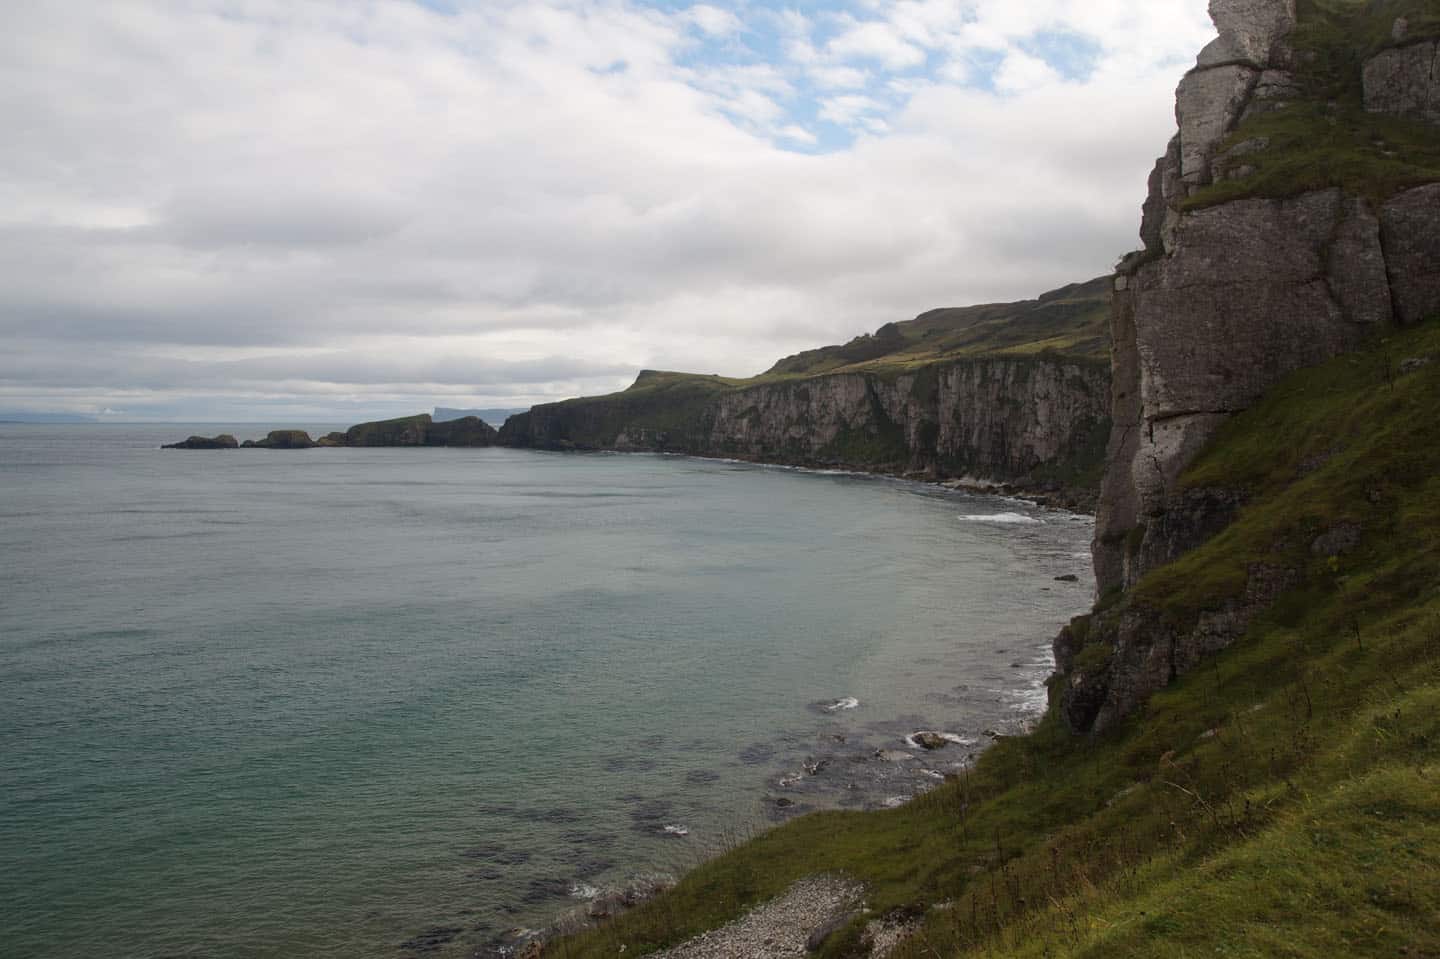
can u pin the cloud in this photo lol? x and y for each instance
(230, 204)
(838, 77)
(714, 21)
(879, 41)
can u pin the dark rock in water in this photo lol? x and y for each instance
(1067, 578)
(757, 754)
(702, 777)
(283, 440)
(651, 815)
(930, 740)
(222, 442)
(431, 940)
(784, 803)
(540, 890)
(590, 868)
(498, 855)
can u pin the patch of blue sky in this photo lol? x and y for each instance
(769, 29)
(1071, 54)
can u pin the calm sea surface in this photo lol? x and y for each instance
(321, 703)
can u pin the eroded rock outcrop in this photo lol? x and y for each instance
(418, 430)
(1033, 420)
(222, 442)
(1404, 80)
(283, 440)
(1223, 302)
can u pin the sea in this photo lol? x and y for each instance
(403, 702)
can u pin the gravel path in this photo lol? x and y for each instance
(778, 929)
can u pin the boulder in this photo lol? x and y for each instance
(1252, 31)
(1404, 81)
(222, 442)
(1412, 252)
(1209, 104)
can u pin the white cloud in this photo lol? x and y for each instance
(847, 110)
(714, 21)
(1019, 72)
(876, 40)
(331, 200)
(838, 77)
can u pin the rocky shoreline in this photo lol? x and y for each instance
(849, 764)
(472, 433)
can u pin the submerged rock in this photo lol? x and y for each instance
(930, 740)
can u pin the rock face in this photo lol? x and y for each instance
(222, 442)
(417, 431)
(283, 440)
(1225, 301)
(1221, 304)
(1030, 420)
(1405, 81)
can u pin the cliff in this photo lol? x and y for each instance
(418, 430)
(1283, 227)
(1271, 510)
(1297, 767)
(1009, 393)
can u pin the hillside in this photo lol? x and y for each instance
(1071, 321)
(1240, 753)
(1283, 801)
(1012, 393)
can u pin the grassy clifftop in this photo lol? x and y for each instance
(1071, 321)
(1324, 137)
(1282, 801)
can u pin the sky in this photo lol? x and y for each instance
(286, 210)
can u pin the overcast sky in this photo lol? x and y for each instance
(332, 210)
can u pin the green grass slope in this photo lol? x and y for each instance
(1071, 321)
(1283, 800)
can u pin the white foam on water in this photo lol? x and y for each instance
(676, 830)
(583, 890)
(892, 802)
(844, 702)
(1004, 519)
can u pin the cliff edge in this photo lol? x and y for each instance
(1294, 216)
(1014, 393)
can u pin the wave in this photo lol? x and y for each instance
(844, 702)
(674, 830)
(1012, 519)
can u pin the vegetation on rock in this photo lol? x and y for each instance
(1282, 801)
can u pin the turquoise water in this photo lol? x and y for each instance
(323, 703)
